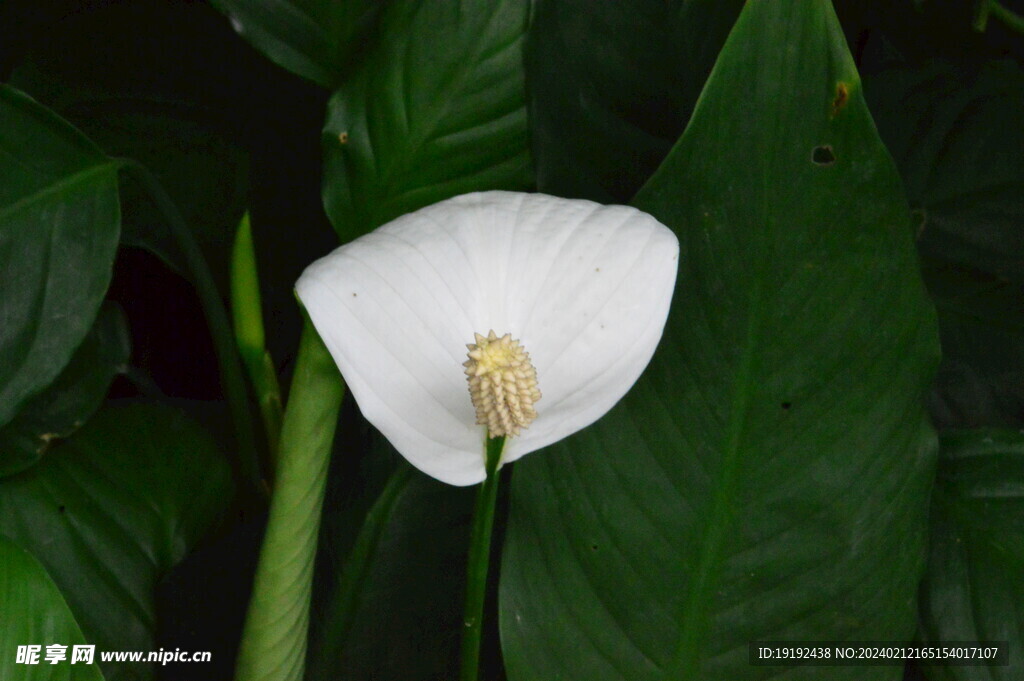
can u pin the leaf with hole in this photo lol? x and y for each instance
(776, 451)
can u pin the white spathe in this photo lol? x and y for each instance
(585, 288)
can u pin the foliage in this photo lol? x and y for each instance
(798, 462)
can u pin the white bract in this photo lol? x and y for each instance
(583, 288)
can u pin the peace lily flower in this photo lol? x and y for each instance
(521, 315)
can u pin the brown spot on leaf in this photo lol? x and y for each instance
(840, 100)
(343, 138)
(920, 217)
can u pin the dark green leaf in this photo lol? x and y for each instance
(35, 613)
(314, 38)
(436, 109)
(65, 405)
(184, 146)
(973, 589)
(110, 510)
(959, 145)
(612, 85)
(396, 606)
(775, 455)
(204, 173)
(981, 322)
(59, 224)
(960, 149)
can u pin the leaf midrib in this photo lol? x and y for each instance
(696, 605)
(389, 175)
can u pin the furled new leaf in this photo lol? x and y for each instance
(776, 452)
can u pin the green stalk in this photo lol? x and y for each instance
(479, 558)
(246, 456)
(984, 8)
(1011, 19)
(274, 639)
(247, 312)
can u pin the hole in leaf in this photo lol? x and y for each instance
(823, 155)
(786, 405)
(60, 509)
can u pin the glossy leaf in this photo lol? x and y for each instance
(184, 146)
(110, 510)
(776, 452)
(959, 148)
(957, 140)
(35, 613)
(65, 405)
(59, 225)
(396, 606)
(973, 589)
(612, 85)
(314, 38)
(436, 109)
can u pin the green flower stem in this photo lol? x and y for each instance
(274, 639)
(247, 313)
(1011, 19)
(246, 464)
(479, 557)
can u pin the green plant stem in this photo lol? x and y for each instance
(994, 8)
(247, 313)
(273, 644)
(479, 558)
(246, 463)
